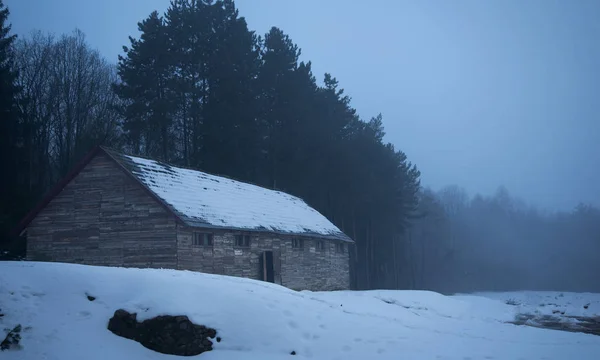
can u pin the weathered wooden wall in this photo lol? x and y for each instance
(299, 269)
(103, 217)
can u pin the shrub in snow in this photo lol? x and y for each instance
(6, 255)
(173, 335)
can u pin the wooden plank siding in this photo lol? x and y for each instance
(103, 217)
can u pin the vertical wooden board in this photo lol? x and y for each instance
(277, 265)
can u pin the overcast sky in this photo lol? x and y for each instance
(476, 93)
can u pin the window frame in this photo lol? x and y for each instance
(297, 243)
(320, 245)
(246, 241)
(340, 247)
(207, 239)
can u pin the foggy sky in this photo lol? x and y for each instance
(477, 93)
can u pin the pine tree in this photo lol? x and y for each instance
(286, 90)
(13, 202)
(189, 29)
(145, 73)
(229, 128)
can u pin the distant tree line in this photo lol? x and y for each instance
(498, 243)
(198, 88)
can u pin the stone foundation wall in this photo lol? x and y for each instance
(306, 268)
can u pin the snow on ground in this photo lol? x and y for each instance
(257, 320)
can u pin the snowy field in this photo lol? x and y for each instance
(550, 302)
(257, 320)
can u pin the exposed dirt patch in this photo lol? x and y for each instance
(579, 324)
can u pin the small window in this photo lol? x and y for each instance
(320, 245)
(340, 247)
(297, 243)
(242, 240)
(203, 239)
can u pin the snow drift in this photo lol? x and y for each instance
(258, 320)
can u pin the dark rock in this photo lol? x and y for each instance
(218, 339)
(211, 333)
(293, 353)
(124, 324)
(586, 306)
(91, 298)
(173, 335)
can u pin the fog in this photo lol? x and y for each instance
(497, 243)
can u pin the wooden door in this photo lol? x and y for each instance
(267, 268)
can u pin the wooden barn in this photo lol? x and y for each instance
(118, 210)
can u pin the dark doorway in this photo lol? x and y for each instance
(266, 267)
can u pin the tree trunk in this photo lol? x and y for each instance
(367, 251)
(412, 262)
(395, 262)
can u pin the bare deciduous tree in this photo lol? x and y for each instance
(67, 102)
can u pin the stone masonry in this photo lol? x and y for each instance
(306, 268)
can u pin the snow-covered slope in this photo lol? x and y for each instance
(258, 320)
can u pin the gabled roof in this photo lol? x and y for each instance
(199, 199)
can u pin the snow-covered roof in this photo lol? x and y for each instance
(204, 200)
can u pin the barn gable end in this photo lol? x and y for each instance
(103, 217)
